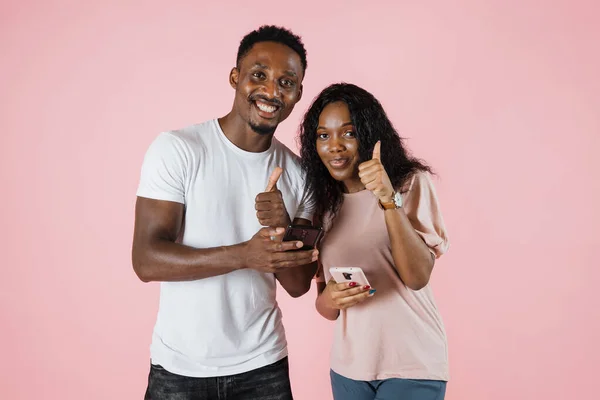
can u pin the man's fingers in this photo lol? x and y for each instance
(284, 261)
(291, 264)
(268, 206)
(268, 232)
(304, 255)
(275, 215)
(266, 197)
(287, 246)
(271, 222)
(263, 206)
(274, 178)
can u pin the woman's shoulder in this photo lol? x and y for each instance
(417, 180)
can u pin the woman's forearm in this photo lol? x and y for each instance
(323, 306)
(412, 258)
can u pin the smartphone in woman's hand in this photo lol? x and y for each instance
(349, 274)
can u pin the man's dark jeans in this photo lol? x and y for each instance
(271, 382)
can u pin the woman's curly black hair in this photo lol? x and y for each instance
(371, 124)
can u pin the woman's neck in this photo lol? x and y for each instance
(353, 185)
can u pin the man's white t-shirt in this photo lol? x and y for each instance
(230, 323)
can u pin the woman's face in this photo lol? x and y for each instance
(337, 145)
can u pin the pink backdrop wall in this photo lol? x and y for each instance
(502, 97)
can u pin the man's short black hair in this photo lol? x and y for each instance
(272, 33)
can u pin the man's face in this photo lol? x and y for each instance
(268, 84)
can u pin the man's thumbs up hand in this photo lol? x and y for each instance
(270, 209)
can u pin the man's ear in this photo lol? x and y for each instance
(300, 92)
(233, 77)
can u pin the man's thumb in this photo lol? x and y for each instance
(273, 179)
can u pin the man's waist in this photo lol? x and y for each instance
(219, 359)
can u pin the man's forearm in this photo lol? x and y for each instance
(164, 260)
(296, 281)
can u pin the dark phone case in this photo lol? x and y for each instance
(302, 233)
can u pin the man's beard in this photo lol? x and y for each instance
(262, 130)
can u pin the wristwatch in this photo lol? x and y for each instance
(394, 204)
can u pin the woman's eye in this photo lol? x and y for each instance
(349, 133)
(322, 136)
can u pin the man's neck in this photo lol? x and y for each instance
(240, 134)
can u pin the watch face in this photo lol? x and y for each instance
(398, 199)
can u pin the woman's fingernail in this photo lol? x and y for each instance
(371, 292)
(352, 284)
(366, 287)
(299, 244)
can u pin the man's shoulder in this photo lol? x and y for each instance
(291, 163)
(286, 152)
(191, 135)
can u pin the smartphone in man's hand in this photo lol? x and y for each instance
(309, 235)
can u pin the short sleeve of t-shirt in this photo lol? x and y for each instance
(163, 169)
(307, 206)
(421, 205)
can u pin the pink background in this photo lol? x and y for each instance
(502, 97)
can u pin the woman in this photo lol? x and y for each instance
(380, 212)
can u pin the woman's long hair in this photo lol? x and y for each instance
(371, 124)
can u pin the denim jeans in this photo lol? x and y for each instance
(388, 389)
(271, 382)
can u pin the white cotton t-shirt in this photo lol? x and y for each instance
(230, 323)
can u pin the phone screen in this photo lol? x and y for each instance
(306, 234)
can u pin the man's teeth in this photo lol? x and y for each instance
(265, 108)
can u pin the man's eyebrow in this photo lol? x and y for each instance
(263, 66)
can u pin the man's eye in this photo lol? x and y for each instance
(287, 83)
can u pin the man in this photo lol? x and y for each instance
(212, 205)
